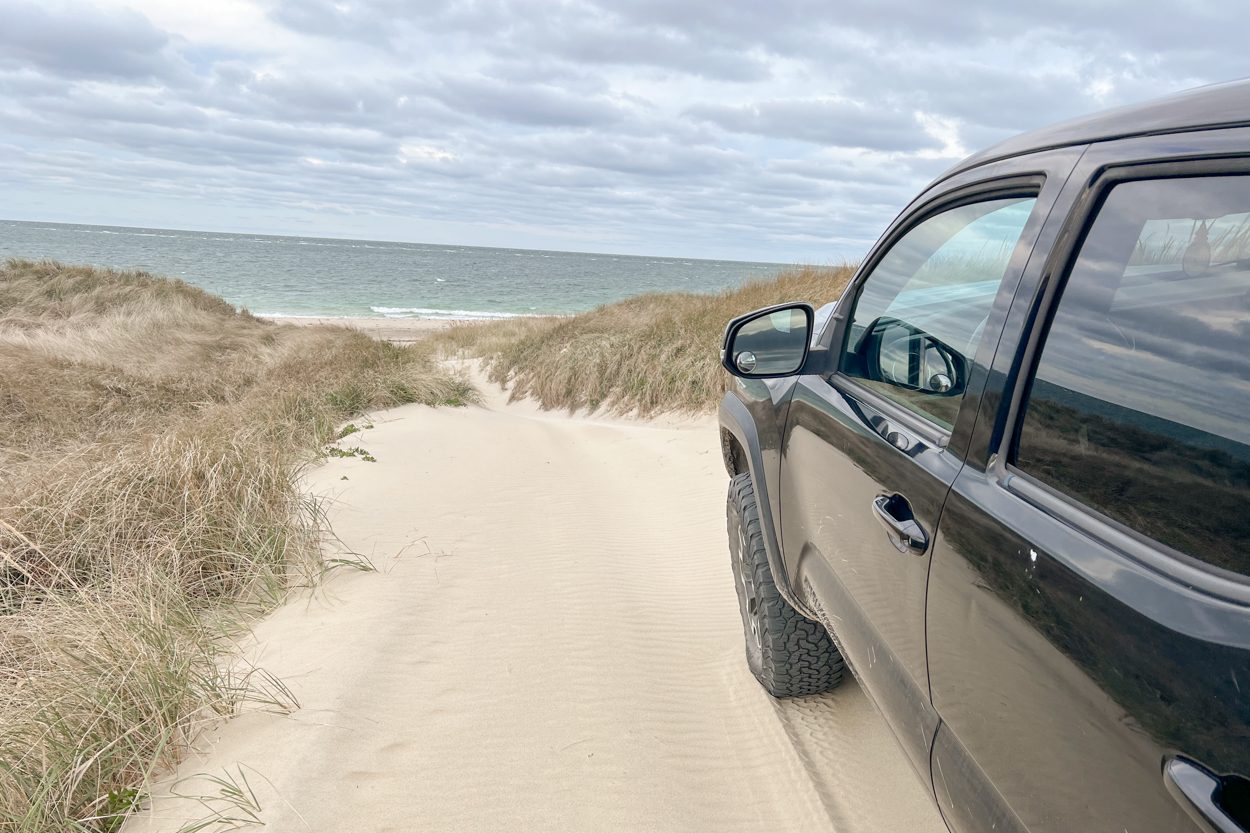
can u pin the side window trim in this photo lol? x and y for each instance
(926, 430)
(1100, 528)
(1063, 255)
(1027, 185)
(835, 332)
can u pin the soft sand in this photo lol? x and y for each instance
(552, 644)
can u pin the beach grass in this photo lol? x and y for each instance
(152, 441)
(649, 354)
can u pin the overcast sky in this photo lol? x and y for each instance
(778, 130)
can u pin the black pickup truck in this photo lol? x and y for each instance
(1005, 480)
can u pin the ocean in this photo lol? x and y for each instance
(272, 275)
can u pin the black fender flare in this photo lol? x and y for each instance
(738, 427)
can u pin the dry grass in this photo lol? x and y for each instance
(151, 445)
(648, 354)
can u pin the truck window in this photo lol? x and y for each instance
(1140, 399)
(937, 283)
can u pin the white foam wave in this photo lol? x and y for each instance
(442, 314)
(303, 315)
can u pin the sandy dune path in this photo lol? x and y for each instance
(552, 644)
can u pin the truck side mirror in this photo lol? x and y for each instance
(769, 342)
(903, 355)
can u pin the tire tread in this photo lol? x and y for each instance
(797, 658)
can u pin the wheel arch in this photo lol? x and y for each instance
(733, 455)
(741, 452)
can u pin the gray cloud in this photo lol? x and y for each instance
(821, 122)
(529, 104)
(789, 130)
(375, 22)
(82, 42)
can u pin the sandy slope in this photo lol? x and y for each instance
(552, 645)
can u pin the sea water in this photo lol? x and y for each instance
(273, 275)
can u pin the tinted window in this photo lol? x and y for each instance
(921, 312)
(1141, 402)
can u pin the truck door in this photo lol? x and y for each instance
(868, 449)
(1089, 600)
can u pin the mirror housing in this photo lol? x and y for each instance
(768, 343)
(901, 354)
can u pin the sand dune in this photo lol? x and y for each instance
(552, 644)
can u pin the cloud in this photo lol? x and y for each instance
(821, 121)
(73, 42)
(790, 130)
(527, 104)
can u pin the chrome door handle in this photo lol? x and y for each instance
(1200, 793)
(894, 513)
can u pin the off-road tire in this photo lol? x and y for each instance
(788, 653)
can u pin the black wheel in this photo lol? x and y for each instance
(788, 653)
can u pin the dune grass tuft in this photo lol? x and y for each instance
(152, 440)
(648, 354)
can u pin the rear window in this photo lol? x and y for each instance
(1140, 405)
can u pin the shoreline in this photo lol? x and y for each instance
(398, 330)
